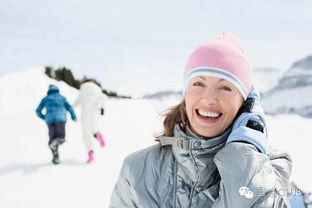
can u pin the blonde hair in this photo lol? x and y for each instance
(172, 116)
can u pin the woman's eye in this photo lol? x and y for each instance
(226, 88)
(198, 84)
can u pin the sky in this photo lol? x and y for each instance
(140, 47)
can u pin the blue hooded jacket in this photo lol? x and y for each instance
(56, 106)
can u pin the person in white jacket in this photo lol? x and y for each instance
(92, 101)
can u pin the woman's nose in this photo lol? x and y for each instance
(210, 97)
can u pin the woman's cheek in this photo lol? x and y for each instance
(192, 95)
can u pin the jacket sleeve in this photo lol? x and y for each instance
(250, 178)
(39, 109)
(102, 100)
(70, 109)
(122, 196)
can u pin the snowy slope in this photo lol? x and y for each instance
(28, 179)
(293, 92)
(266, 78)
(294, 100)
(299, 74)
(292, 134)
(163, 95)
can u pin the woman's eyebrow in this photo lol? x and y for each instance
(220, 80)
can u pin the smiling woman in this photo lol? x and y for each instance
(211, 105)
(213, 150)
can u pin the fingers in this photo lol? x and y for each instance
(254, 94)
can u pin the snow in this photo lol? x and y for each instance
(292, 134)
(298, 97)
(298, 71)
(266, 78)
(28, 179)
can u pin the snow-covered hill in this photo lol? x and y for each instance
(29, 180)
(27, 177)
(266, 78)
(299, 75)
(293, 92)
(169, 94)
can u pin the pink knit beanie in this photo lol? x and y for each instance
(222, 57)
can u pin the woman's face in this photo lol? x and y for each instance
(211, 105)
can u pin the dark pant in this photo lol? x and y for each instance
(56, 131)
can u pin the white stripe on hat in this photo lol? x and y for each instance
(215, 72)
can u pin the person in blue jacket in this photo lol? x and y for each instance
(56, 107)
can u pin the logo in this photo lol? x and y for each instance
(244, 191)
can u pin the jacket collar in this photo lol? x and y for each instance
(194, 155)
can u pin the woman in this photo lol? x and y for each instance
(213, 150)
(92, 101)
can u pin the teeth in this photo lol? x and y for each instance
(208, 114)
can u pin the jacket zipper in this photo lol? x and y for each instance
(193, 190)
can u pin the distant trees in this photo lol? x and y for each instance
(65, 74)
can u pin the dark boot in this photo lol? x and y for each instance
(54, 144)
(55, 154)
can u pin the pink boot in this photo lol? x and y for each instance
(99, 137)
(91, 157)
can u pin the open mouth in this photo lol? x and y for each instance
(208, 116)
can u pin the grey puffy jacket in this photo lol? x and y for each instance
(198, 173)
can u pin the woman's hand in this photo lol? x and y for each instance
(250, 125)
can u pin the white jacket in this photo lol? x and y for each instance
(92, 99)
